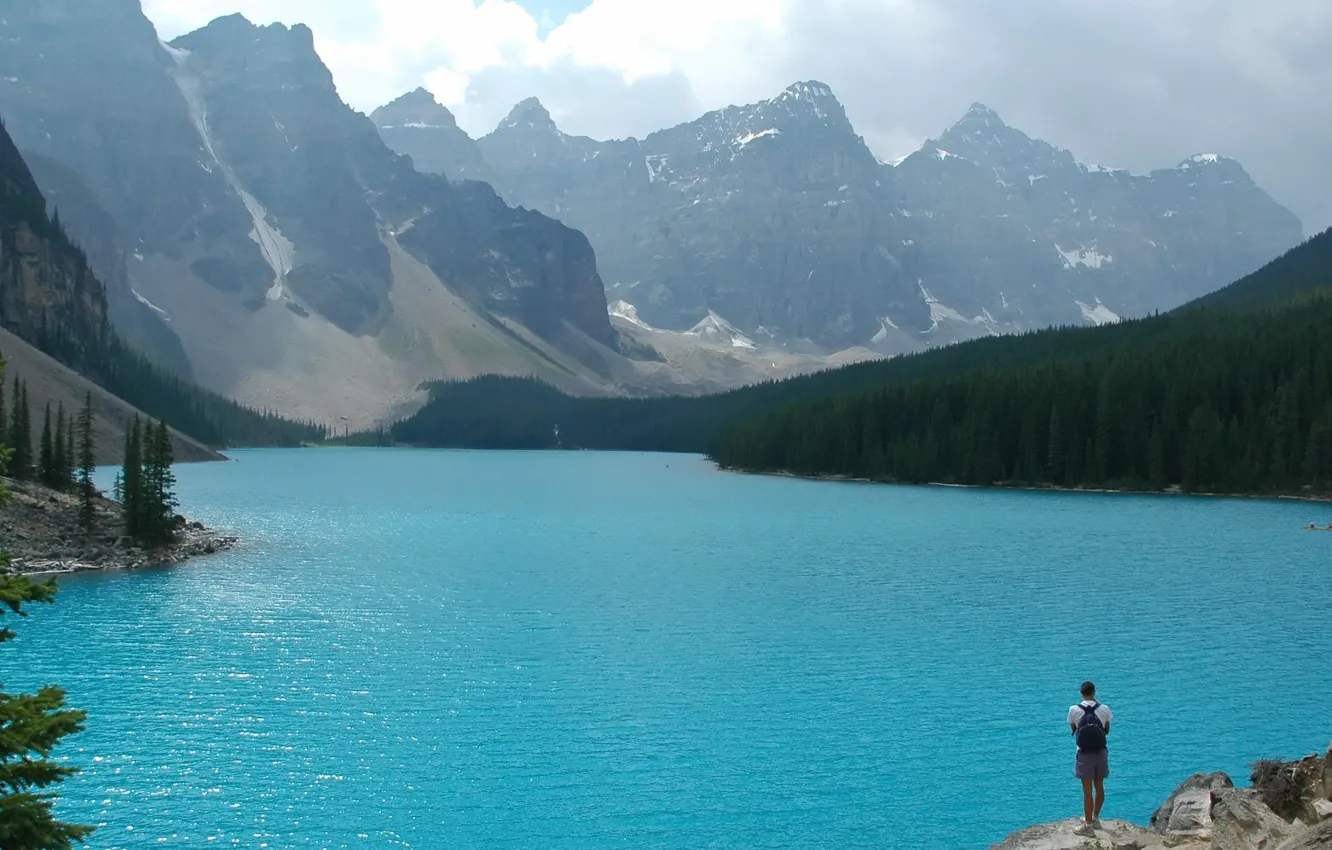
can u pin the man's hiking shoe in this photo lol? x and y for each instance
(1084, 829)
(1096, 824)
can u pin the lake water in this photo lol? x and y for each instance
(505, 650)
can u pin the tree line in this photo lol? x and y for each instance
(1215, 400)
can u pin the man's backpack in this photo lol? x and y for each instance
(1090, 734)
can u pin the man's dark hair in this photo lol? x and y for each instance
(1088, 689)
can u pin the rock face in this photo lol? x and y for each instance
(1240, 821)
(777, 217)
(293, 253)
(416, 126)
(46, 288)
(1188, 811)
(95, 231)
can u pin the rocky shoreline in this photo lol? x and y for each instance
(39, 528)
(1287, 807)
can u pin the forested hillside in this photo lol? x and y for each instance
(1254, 338)
(50, 298)
(1233, 394)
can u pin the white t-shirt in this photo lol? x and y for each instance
(1102, 711)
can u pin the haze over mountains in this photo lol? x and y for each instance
(258, 234)
(776, 217)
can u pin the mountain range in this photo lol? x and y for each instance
(256, 234)
(777, 218)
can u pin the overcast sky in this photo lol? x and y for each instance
(1137, 84)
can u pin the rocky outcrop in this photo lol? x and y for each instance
(1116, 835)
(46, 287)
(1208, 811)
(777, 217)
(1241, 821)
(42, 535)
(95, 230)
(1188, 811)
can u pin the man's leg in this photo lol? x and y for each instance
(1088, 809)
(1100, 797)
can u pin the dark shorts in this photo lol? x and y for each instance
(1092, 765)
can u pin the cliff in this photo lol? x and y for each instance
(1287, 807)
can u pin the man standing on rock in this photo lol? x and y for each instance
(1090, 722)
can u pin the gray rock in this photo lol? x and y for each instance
(1240, 821)
(1117, 835)
(1315, 838)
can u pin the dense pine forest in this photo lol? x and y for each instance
(1232, 394)
(61, 310)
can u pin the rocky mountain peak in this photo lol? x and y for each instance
(417, 109)
(529, 114)
(810, 99)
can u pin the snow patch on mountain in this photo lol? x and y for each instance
(278, 251)
(1087, 257)
(717, 329)
(150, 305)
(745, 139)
(624, 310)
(1097, 314)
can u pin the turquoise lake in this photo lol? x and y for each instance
(506, 650)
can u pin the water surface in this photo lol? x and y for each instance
(456, 650)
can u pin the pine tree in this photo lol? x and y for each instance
(58, 452)
(132, 480)
(87, 465)
(46, 471)
(67, 471)
(1055, 459)
(20, 434)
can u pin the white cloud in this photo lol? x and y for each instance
(1132, 83)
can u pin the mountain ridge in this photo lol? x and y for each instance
(777, 216)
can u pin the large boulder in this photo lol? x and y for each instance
(1188, 811)
(1317, 838)
(1242, 821)
(1117, 835)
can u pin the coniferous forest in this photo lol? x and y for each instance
(1232, 393)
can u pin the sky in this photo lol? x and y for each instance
(1135, 84)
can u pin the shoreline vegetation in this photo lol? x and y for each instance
(1319, 497)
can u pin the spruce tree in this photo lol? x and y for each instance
(20, 434)
(67, 473)
(58, 479)
(46, 471)
(132, 480)
(87, 465)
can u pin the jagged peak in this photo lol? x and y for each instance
(416, 108)
(978, 115)
(529, 113)
(808, 89)
(236, 26)
(1205, 159)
